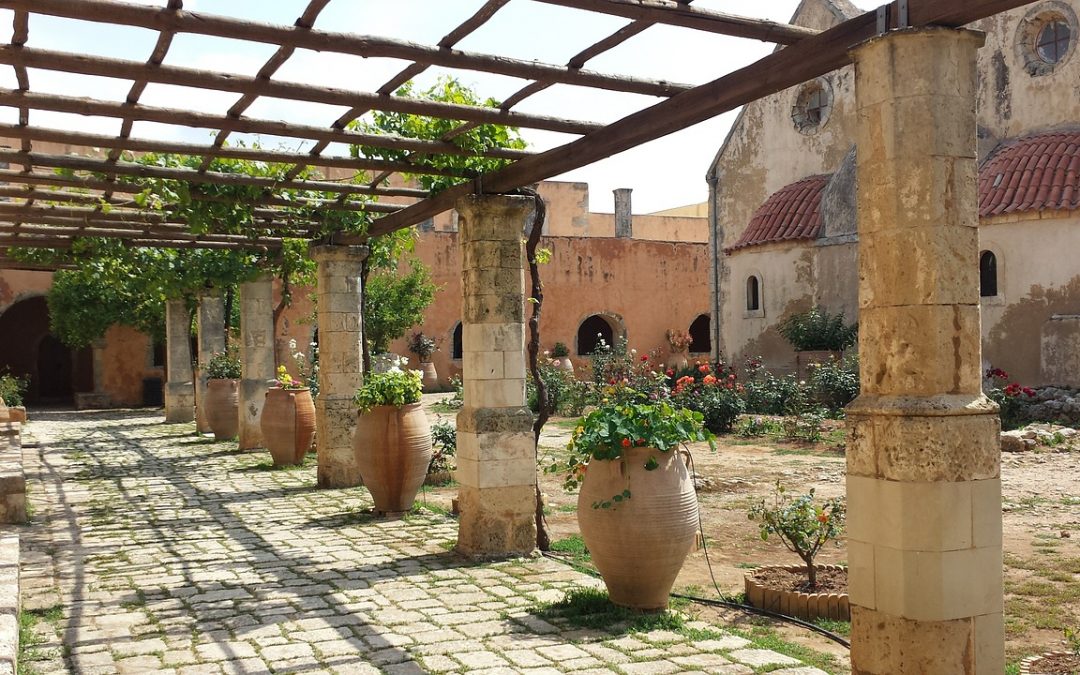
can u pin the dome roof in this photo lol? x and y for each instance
(1033, 173)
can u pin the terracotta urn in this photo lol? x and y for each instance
(430, 376)
(288, 424)
(223, 408)
(393, 451)
(639, 544)
(564, 363)
(678, 360)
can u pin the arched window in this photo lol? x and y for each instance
(699, 331)
(591, 331)
(988, 281)
(753, 294)
(455, 342)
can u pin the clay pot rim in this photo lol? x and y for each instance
(222, 379)
(1027, 662)
(404, 406)
(270, 389)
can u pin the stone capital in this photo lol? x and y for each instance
(338, 253)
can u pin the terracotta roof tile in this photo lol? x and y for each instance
(1034, 173)
(792, 212)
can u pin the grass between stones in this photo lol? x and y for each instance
(30, 638)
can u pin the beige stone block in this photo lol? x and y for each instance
(494, 308)
(339, 321)
(339, 279)
(493, 217)
(504, 393)
(910, 516)
(882, 644)
(861, 580)
(494, 337)
(340, 361)
(919, 266)
(495, 420)
(920, 350)
(477, 365)
(335, 253)
(468, 445)
(496, 446)
(335, 343)
(496, 473)
(493, 254)
(923, 448)
(937, 61)
(339, 384)
(986, 526)
(340, 302)
(916, 192)
(496, 280)
(990, 643)
(938, 585)
(515, 364)
(913, 127)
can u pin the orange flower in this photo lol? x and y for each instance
(709, 379)
(703, 368)
(823, 518)
(626, 443)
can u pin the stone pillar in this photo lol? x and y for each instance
(923, 482)
(624, 217)
(340, 361)
(495, 453)
(179, 389)
(256, 355)
(210, 319)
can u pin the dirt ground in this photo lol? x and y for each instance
(1041, 510)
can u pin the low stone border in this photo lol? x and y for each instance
(793, 603)
(1026, 664)
(9, 601)
(12, 479)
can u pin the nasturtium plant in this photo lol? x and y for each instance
(396, 387)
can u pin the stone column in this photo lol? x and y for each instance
(923, 482)
(340, 361)
(179, 389)
(256, 355)
(495, 453)
(210, 319)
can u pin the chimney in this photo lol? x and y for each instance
(624, 224)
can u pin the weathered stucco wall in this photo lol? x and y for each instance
(128, 358)
(16, 285)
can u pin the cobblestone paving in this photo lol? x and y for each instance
(165, 553)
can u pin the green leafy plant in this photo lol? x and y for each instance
(1072, 640)
(560, 350)
(757, 426)
(615, 427)
(13, 389)
(1012, 397)
(443, 446)
(394, 303)
(768, 394)
(816, 329)
(223, 366)
(835, 383)
(802, 524)
(395, 387)
(422, 345)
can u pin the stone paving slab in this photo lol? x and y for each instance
(169, 553)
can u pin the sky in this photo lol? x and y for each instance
(665, 173)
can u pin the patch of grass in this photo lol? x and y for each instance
(764, 637)
(428, 508)
(574, 546)
(567, 508)
(591, 608)
(29, 638)
(567, 423)
(747, 566)
(834, 626)
(310, 461)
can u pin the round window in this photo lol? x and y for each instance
(812, 106)
(1045, 38)
(1053, 42)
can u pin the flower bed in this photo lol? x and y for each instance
(797, 603)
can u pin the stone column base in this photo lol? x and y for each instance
(336, 422)
(497, 520)
(884, 644)
(179, 402)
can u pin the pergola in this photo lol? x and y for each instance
(904, 49)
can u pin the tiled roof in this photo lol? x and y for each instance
(1035, 173)
(792, 212)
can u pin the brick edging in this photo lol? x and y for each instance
(794, 603)
(1025, 665)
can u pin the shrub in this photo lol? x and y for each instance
(13, 389)
(835, 383)
(758, 426)
(422, 345)
(620, 373)
(767, 394)
(560, 350)
(816, 329)
(395, 387)
(456, 401)
(803, 525)
(717, 396)
(443, 446)
(223, 366)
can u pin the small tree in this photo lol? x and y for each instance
(816, 329)
(802, 525)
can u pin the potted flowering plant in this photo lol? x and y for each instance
(392, 441)
(637, 509)
(560, 356)
(679, 341)
(288, 419)
(222, 395)
(424, 346)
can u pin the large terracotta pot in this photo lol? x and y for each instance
(640, 543)
(678, 360)
(288, 424)
(223, 408)
(430, 376)
(566, 364)
(393, 450)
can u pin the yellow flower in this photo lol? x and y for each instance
(580, 430)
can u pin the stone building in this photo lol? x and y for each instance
(782, 200)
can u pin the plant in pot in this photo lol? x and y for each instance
(637, 509)
(804, 526)
(424, 346)
(288, 419)
(12, 390)
(817, 337)
(443, 449)
(679, 342)
(560, 356)
(222, 395)
(392, 441)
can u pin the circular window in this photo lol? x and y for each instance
(1053, 41)
(1046, 37)
(812, 106)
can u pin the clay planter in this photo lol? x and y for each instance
(565, 364)
(639, 544)
(678, 361)
(223, 408)
(794, 603)
(288, 424)
(393, 451)
(430, 377)
(1032, 664)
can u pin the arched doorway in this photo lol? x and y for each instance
(701, 334)
(29, 349)
(594, 329)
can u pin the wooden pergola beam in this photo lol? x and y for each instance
(64, 243)
(7, 263)
(112, 231)
(190, 175)
(45, 216)
(368, 46)
(674, 14)
(805, 60)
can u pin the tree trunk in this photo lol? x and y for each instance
(229, 298)
(365, 351)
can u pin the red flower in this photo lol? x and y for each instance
(1028, 391)
(611, 381)
(641, 441)
(644, 358)
(703, 368)
(823, 517)
(626, 443)
(670, 372)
